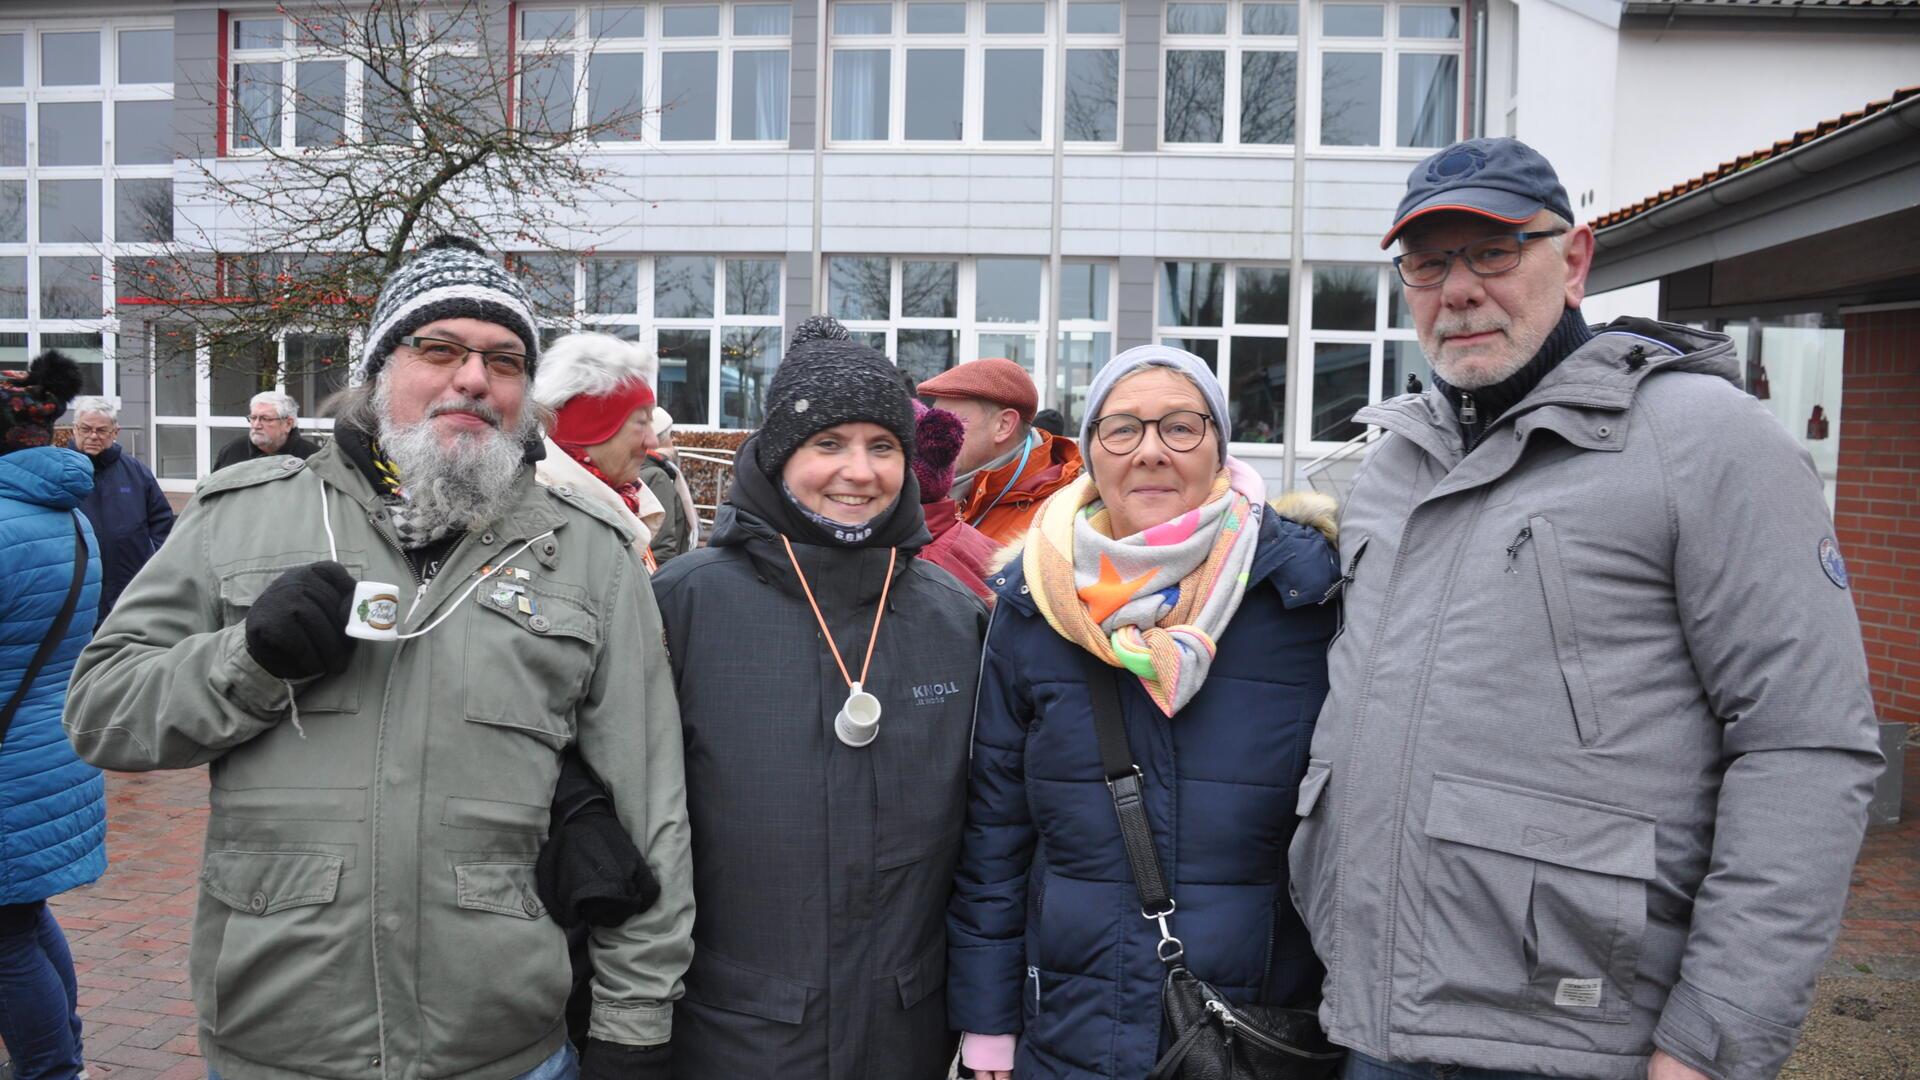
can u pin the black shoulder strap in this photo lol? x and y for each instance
(1123, 783)
(54, 636)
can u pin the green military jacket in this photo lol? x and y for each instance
(367, 902)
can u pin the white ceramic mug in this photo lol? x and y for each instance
(858, 721)
(376, 611)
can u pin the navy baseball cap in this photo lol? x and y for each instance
(1502, 179)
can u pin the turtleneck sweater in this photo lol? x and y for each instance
(1478, 409)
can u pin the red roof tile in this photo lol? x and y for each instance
(1748, 161)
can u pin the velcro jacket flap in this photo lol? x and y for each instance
(1545, 827)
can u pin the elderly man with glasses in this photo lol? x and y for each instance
(384, 652)
(130, 513)
(273, 420)
(1586, 793)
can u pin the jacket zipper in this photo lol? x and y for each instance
(1513, 549)
(1033, 973)
(1339, 586)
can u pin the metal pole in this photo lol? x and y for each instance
(1050, 348)
(1297, 265)
(820, 77)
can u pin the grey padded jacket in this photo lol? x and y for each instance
(1596, 761)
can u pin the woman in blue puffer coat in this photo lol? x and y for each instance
(1163, 562)
(52, 805)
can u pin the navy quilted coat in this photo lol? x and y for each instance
(53, 806)
(1044, 930)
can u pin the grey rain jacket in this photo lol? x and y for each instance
(367, 902)
(1596, 760)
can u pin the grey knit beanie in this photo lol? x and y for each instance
(1145, 356)
(826, 381)
(450, 278)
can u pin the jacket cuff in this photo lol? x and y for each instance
(993, 1053)
(239, 678)
(633, 1025)
(1722, 1040)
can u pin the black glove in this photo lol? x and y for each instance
(589, 870)
(297, 627)
(603, 1060)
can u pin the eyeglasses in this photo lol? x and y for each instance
(89, 430)
(1180, 431)
(443, 353)
(1486, 257)
(266, 419)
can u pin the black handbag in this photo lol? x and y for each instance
(1213, 1038)
(54, 635)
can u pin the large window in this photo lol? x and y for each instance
(86, 168)
(1385, 74)
(1362, 347)
(714, 320)
(929, 313)
(971, 72)
(200, 393)
(1228, 72)
(1235, 318)
(702, 73)
(1389, 74)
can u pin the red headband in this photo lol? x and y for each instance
(588, 420)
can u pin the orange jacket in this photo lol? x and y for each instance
(1053, 465)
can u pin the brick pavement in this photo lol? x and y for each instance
(130, 930)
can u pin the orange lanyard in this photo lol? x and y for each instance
(872, 640)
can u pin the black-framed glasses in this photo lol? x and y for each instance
(1486, 257)
(443, 353)
(1180, 431)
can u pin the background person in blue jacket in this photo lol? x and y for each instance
(130, 514)
(1163, 561)
(53, 809)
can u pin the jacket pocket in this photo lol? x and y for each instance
(493, 967)
(1564, 630)
(1535, 903)
(1310, 874)
(552, 645)
(267, 945)
(721, 983)
(504, 888)
(925, 974)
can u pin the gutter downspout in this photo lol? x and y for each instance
(819, 154)
(1297, 264)
(1050, 348)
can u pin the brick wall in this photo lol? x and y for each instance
(1877, 509)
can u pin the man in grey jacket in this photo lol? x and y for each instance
(368, 899)
(1585, 796)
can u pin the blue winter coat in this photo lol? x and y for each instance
(131, 517)
(53, 806)
(1044, 930)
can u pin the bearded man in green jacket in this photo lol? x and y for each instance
(368, 902)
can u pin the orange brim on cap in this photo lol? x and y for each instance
(1457, 208)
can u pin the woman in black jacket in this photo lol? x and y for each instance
(823, 852)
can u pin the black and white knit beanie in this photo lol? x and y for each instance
(823, 381)
(451, 277)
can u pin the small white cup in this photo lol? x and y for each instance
(376, 612)
(858, 721)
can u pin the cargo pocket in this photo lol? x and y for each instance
(500, 966)
(273, 958)
(1310, 877)
(720, 983)
(1535, 903)
(1565, 631)
(550, 643)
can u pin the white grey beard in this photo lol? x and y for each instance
(466, 485)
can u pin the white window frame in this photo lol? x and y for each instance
(652, 46)
(104, 93)
(1390, 47)
(1051, 392)
(1230, 327)
(645, 327)
(1235, 44)
(1376, 339)
(965, 323)
(974, 42)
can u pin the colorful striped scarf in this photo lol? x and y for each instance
(1155, 602)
